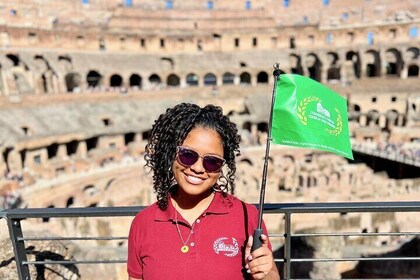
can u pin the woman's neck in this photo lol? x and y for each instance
(191, 207)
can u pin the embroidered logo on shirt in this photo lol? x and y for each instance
(221, 246)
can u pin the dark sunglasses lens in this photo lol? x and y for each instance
(187, 157)
(212, 164)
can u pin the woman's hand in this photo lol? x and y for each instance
(260, 263)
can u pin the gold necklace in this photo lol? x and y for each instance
(185, 248)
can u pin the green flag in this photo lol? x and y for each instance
(308, 114)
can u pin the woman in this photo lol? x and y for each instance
(196, 230)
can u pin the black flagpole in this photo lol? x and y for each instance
(257, 243)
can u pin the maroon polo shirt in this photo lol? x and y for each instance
(216, 245)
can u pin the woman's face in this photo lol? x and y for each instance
(194, 179)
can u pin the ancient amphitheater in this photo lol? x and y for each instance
(81, 83)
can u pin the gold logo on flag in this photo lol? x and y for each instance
(321, 115)
(303, 105)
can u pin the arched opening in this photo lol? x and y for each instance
(355, 60)
(73, 82)
(228, 78)
(373, 64)
(391, 119)
(372, 118)
(296, 64)
(333, 72)
(173, 80)
(247, 160)
(135, 81)
(413, 71)
(245, 78)
(69, 202)
(154, 79)
(192, 80)
(93, 78)
(115, 81)
(262, 78)
(52, 150)
(91, 143)
(14, 59)
(210, 79)
(129, 137)
(314, 67)
(394, 63)
(262, 126)
(247, 126)
(72, 147)
(90, 190)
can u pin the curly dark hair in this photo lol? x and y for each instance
(170, 130)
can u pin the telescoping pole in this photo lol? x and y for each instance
(257, 243)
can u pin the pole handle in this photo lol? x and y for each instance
(256, 242)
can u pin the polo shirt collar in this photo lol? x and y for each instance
(219, 205)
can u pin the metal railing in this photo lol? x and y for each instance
(15, 216)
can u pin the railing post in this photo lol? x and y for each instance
(287, 245)
(15, 232)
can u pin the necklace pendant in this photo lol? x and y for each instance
(185, 249)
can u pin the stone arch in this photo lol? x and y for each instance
(373, 63)
(245, 78)
(413, 53)
(333, 72)
(90, 190)
(155, 80)
(71, 147)
(372, 117)
(173, 80)
(48, 78)
(65, 62)
(354, 112)
(70, 202)
(129, 137)
(167, 63)
(192, 79)
(115, 80)
(73, 82)
(14, 58)
(135, 81)
(210, 79)
(262, 78)
(228, 78)
(247, 126)
(93, 78)
(314, 66)
(413, 70)
(393, 62)
(295, 64)
(412, 57)
(20, 74)
(247, 160)
(354, 58)
(109, 184)
(391, 118)
(52, 150)
(262, 127)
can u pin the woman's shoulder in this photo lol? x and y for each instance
(146, 214)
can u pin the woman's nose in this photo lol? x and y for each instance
(198, 167)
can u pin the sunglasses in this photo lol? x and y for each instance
(187, 157)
